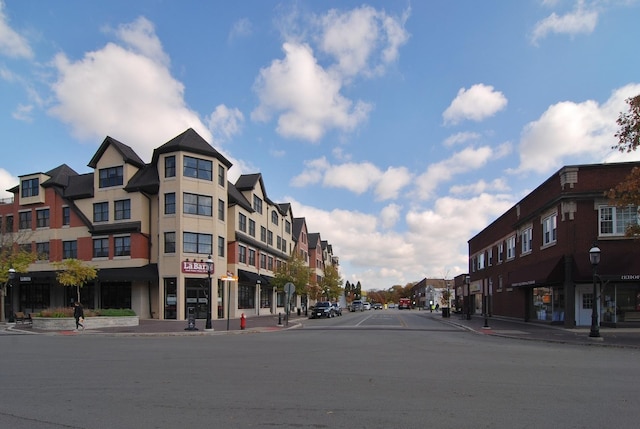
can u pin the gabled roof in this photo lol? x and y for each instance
(284, 208)
(145, 180)
(236, 197)
(80, 186)
(248, 182)
(313, 238)
(189, 141)
(128, 154)
(59, 176)
(298, 223)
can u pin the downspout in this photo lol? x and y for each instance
(149, 286)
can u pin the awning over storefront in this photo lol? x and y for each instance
(266, 280)
(248, 277)
(148, 272)
(621, 266)
(549, 271)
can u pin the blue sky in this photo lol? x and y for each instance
(398, 129)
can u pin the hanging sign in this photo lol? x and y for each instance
(193, 267)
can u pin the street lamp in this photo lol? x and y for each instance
(594, 257)
(259, 295)
(467, 281)
(208, 326)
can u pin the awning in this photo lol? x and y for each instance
(248, 277)
(549, 271)
(147, 272)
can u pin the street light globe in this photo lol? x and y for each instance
(594, 255)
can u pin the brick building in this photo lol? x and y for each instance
(533, 261)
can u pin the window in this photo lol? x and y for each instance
(100, 247)
(24, 220)
(69, 249)
(30, 188)
(500, 252)
(587, 301)
(122, 209)
(66, 215)
(270, 238)
(263, 261)
(42, 250)
(279, 243)
(110, 177)
(252, 257)
(170, 166)
(169, 242)
(242, 222)
(170, 203)
(284, 245)
(263, 234)
(122, 246)
(8, 224)
(197, 168)
(526, 236)
(197, 204)
(252, 227)
(616, 220)
(100, 212)
(42, 218)
(287, 227)
(242, 254)
(221, 210)
(511, 247)
(489, 257)
(257, 204)
(274, 217)
(481, 261)
(221, 246)
(270, 263)
(197, 243)
(221, 178)
(549, 229)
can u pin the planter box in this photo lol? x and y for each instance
(69, 323)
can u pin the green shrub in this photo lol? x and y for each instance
(115, 312)
(68, 312)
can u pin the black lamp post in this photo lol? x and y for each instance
(467, 280)
(594, 257)
(209, 271)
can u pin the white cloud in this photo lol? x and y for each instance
(125, 78)
(391, 183)
(357, 178)
(305, 96)
(362, 40)
(7, 181)
(569, 132)
(225, 122)
(389, 215)
(462, 137)
(240, 29)
(477, 103)
(12, 44)
(580, 20)
(23, 113)
(313, 172)
(480, 187)
(461, 162)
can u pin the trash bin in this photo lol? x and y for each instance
(446, 312)
(299, 311)
(191, 319)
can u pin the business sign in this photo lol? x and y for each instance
(193, 267)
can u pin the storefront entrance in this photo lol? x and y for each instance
(196, 297)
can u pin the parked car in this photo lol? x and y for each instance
(322, 309)
(377, 306)
(366, 305)
(391, 305)
(337, 310)
(357, 306)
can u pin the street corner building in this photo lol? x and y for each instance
(533, 262)
(170, 238)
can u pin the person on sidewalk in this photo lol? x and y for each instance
(78, 313)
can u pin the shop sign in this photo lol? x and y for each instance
(193, 267)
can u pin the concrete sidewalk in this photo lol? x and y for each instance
(532, 331)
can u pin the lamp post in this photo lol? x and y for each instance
(259, 295)
(467, 281)
(594, 257)
(207, 325)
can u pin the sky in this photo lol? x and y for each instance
(397, 129)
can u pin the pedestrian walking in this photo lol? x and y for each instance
(78, 313)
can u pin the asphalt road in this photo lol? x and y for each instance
(361, 370)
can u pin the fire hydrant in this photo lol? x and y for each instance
(243, 321)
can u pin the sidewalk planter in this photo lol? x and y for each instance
(69, 323)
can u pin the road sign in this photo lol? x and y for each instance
(290, 288)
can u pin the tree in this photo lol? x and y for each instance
(74, 272)
(331, 283)
(295, 271)
(627, 192)
(11, 256)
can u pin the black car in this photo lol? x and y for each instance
(377, 306)
(322, 309)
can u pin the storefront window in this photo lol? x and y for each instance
(170, 298)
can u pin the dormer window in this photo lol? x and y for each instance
(112, 176)
(30, 187)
